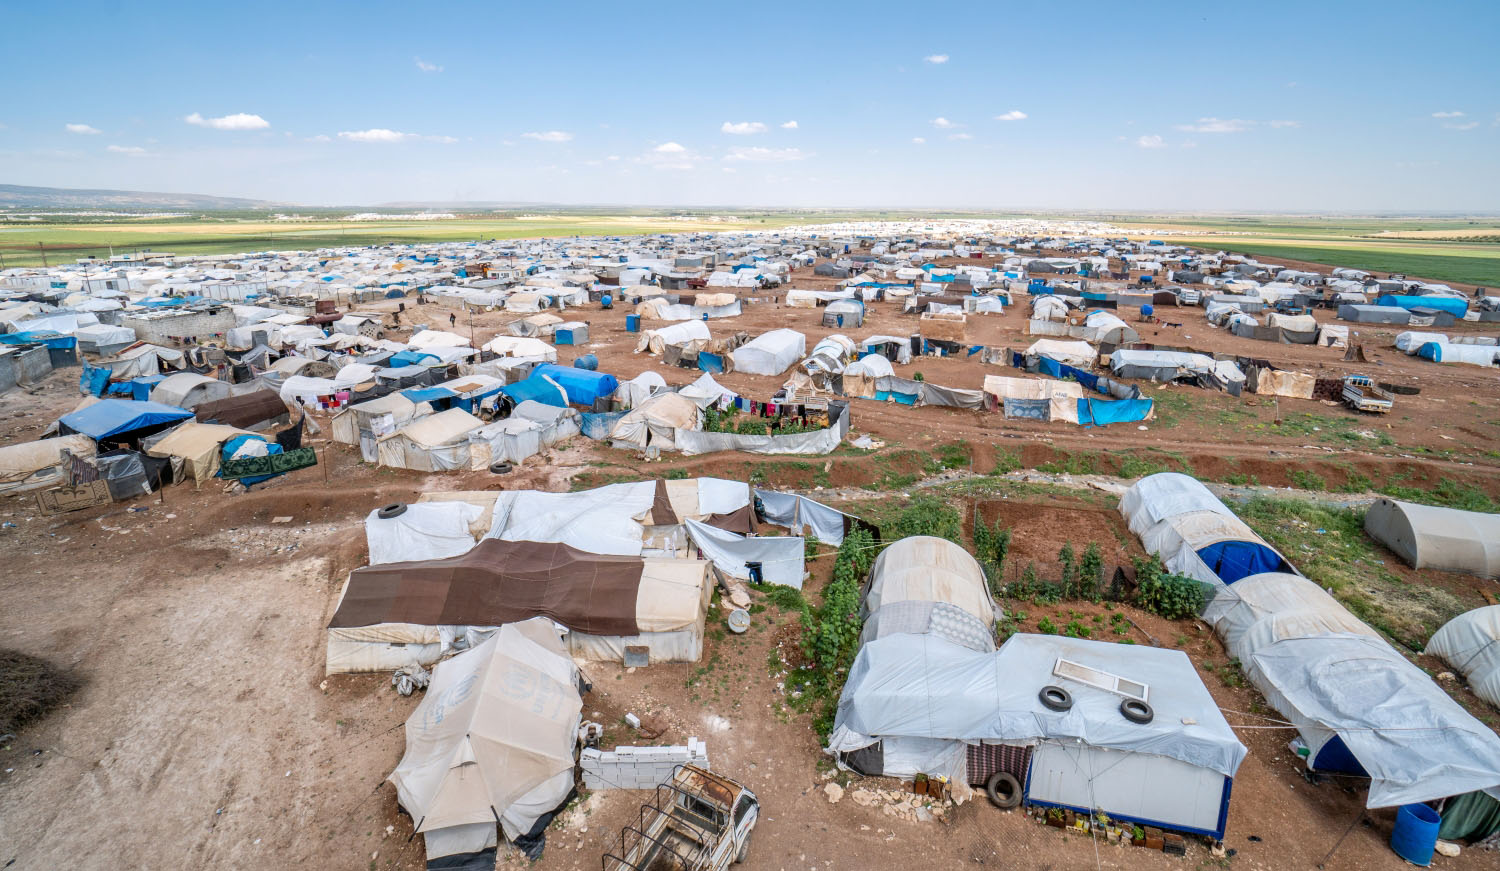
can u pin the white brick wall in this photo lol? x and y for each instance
(638, 767)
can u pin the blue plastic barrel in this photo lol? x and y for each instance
(1415, 836)
(587, 361)
(606, 301)
(632, 323)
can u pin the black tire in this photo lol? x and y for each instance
(1137, 711)
(500, 468)
(395, 509)
(1055, 698)
(744, 849)
(1004, 790)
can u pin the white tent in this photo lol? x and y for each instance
(29, 465)
(435, 443)
(1179, 520)
(424, 530)
(436, 339)
(1426, 536)
(692, 335)
(1068, 353)
(511, 440)
(770, 353)
(1470, 643)
(188, 390)
(364, 423)
(1359, 705)
(493, 739)
(635, 391)
(656, 422)
(522, 348)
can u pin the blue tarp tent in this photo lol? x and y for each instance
(135, 388)
(115, 417)
(1451, 304)
(411, 358)
(438, 396)
(1098, 412)
(583, 387)
(93, 380)
(536, 389)
(1233, 560)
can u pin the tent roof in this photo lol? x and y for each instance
(1470, 643)
(927, 569)
(111, 417)
(443, 428)
(1442, 538)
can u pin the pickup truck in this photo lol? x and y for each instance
(1361, 394)
(697, 821)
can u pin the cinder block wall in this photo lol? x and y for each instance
(163, 331)
(638, 767)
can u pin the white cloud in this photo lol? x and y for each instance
(942, 123)
(767, 155)
(742, 128)
(1281, 124)
(936, 58)
(959, 136)
(790, 125)
(1447, 114)
(426, 67)
(549, 136)
(381, 134)
(1151, 141)
(237, 121)
(1012, 115)
(132, 150)
(1469, 125)
(919, 140)
(83, 129)
(669, 148)
(320, 138)
(1218, 125)
(671, 155)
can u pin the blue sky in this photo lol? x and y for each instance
(1267, 106)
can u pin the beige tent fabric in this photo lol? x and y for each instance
(1297, 385)
(656, 422)
(350, 419)
(714, 300)
(943, 327)
(198, 445)
(435, 443)
(1062, 396)
(927, 569)
(673, 595)
(1426, 536)
(497, 722)
(651, 308)
(29, 465)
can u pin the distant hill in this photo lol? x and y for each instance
(20, 196)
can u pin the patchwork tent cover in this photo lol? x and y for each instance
(928, 569)
(492, 740)
(1358, 704)
(197, 444)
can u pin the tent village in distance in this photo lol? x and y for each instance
(1006, 543)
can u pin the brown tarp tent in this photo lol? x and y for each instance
(262, 409)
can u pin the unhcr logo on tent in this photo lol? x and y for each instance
(451, 698)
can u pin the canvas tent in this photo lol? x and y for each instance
(1470, 643)
(196, 445)
(188, 390)
(365, 423)
(1179, 520)
(408, 613)
(422, 531)
(770, 353)
(1360, 706)
(492, 741)
(691, 335)
(927, 569)
(255, 411)
(30, 465)
(656, 422)
(120, 419)
(1426, 536)
(435, 443)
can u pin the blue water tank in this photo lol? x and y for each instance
(1415, 836)
(1147, 311)
(587, 361)
(632, 323)
(606, 301)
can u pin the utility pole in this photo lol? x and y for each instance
(42, 248)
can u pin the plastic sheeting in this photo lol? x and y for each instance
(114, 417)
(1072, 353)
(1426, 536)
(923, 686)
(1179, 520)
(781, 557)
(1470, 643)
(1350, 694)
(803, 515)
(492, 738)
(425, 530)
(926, 569)
(770, 353)
(635, 391)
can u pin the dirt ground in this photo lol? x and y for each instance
(207, 735)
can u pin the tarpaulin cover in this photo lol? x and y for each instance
(112, 417)
(1098, 412)
(1336, 679)
(923, 686)
(536, 389)
(799, 512)
(1428, 536)
(1470, 643)
(424, 531)
(583, 387)
(1454, 305)
(1178, 519)
(492, 740)
(1233, 560)
(499, 582)
(245, 411)
(928, 569)
(781, 556)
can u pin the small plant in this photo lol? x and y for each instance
(1171, 596)
(785, 598)
(1069, 562)
(917, 376)
(1077, 629)
(1046, 626)
(1091, 570)
(1137, 833)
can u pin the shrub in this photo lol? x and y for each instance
(1171, 596)
(927, 515)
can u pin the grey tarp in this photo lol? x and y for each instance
(1426, 536)
(780, 556)
(1470, 643)
(952, 397)
(799, 512)
(1336, 679)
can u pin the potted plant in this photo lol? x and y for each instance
(919, 784)
(1055, 817)
(1138, 836)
